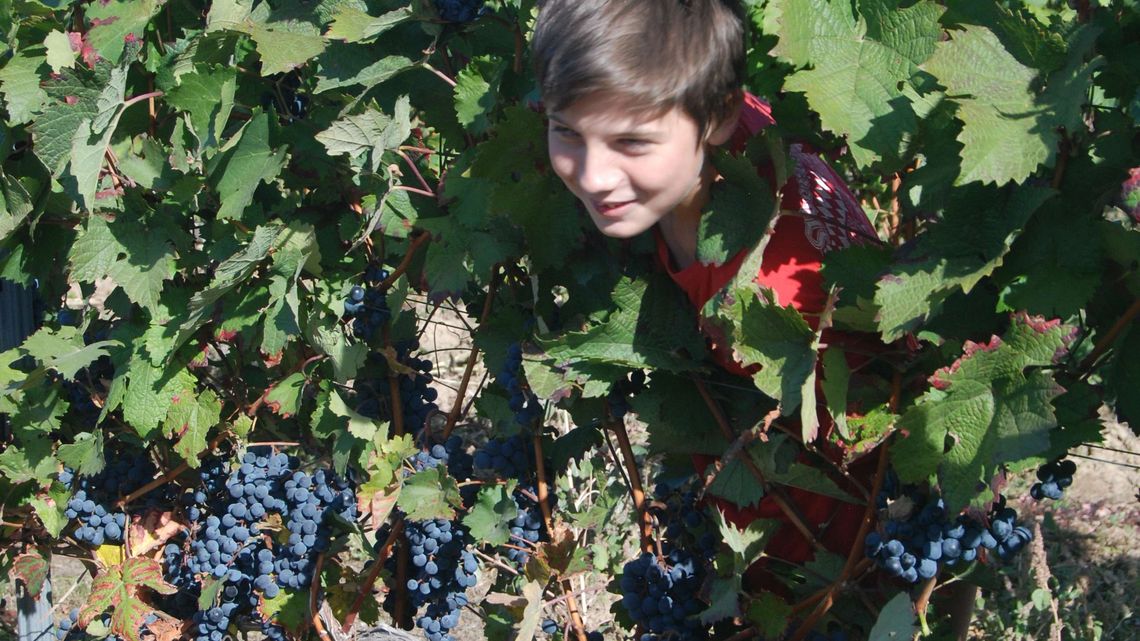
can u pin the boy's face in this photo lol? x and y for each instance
(629, 169)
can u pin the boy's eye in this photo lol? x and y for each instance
(564, 132)
(634, 142)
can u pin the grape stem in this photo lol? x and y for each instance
(417, 242)
(849, 568)
(313, 589)
(1109, 338)
(787, 508)
(370, 579)
(544, 505)
(472, 357)
(922, 601)
(166, 478)
(635, 488)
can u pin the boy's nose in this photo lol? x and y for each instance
(597, 173)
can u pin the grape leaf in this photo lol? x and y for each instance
(206, 95)
(1124, 378)
(953, 255)
(232, 272)
(738, 212)
(345, 66)
(63, 350)
(896, 620)
(20, 83)
(50, 509)
(285, 45)
(836, 377)
(736, 484)
(60, 54)
(746, 546)
(430, 494)
(368, 135)
(189, 420)
(352, 24)
(237, 171)
(677, 418)
(476, 91)
(489, 519)
(120, 589)
(126, 252)
(32, 569)
(761, 332)
(858, 65)
(650, 328)
(85, 454)
(1006, 134)
(151, 391)
(990, 408)
(114, 22)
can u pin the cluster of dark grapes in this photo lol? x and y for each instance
(511, 458)
(367, 304)
(459, 10)
(93, 503)
(417, 396)
(1052, 479)
(443, 569)
(618, 398)
(522, 401)
(661, 594)
(229, 509)
(916, 544)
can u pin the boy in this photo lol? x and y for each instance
(637, 93)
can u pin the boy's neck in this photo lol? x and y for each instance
(679, 229)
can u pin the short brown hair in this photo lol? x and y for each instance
(656, 54)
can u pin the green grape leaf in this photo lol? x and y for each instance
(677, 418)
(896, 620)
(368, 135)
(489, 519)
(151, 391)
(237, 171)
(430, 494)
(346, 358)
(114, 22)
(735, 483)
(206, 95)
(63, 350)
(190, 419)
(50, 509)
(20, 80)
(85, 454)
(352, 24)
(858, 65)
(738, 212)
(954, 255)
(359, 426)
(119, 589)
(343, 66)
(628, 338)
(761, 332)
(31, 460)
(290, 609)
(126, 252)
(836, 377)
(745, 547)
(60, 55)
(476, 91)
(988, 407)
(1007, 132)
(286, 45)
(1124, 378)
(285, 396)
(232, 272)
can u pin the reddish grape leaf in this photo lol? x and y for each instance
(118, 589)
(32, 569)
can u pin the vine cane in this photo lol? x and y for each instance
(635, 487)
(373, 573)
(544, 504)
(456, 408)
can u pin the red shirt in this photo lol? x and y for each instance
(829, 218)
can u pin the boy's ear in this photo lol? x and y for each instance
(722, 130)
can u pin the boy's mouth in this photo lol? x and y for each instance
(612, 209)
